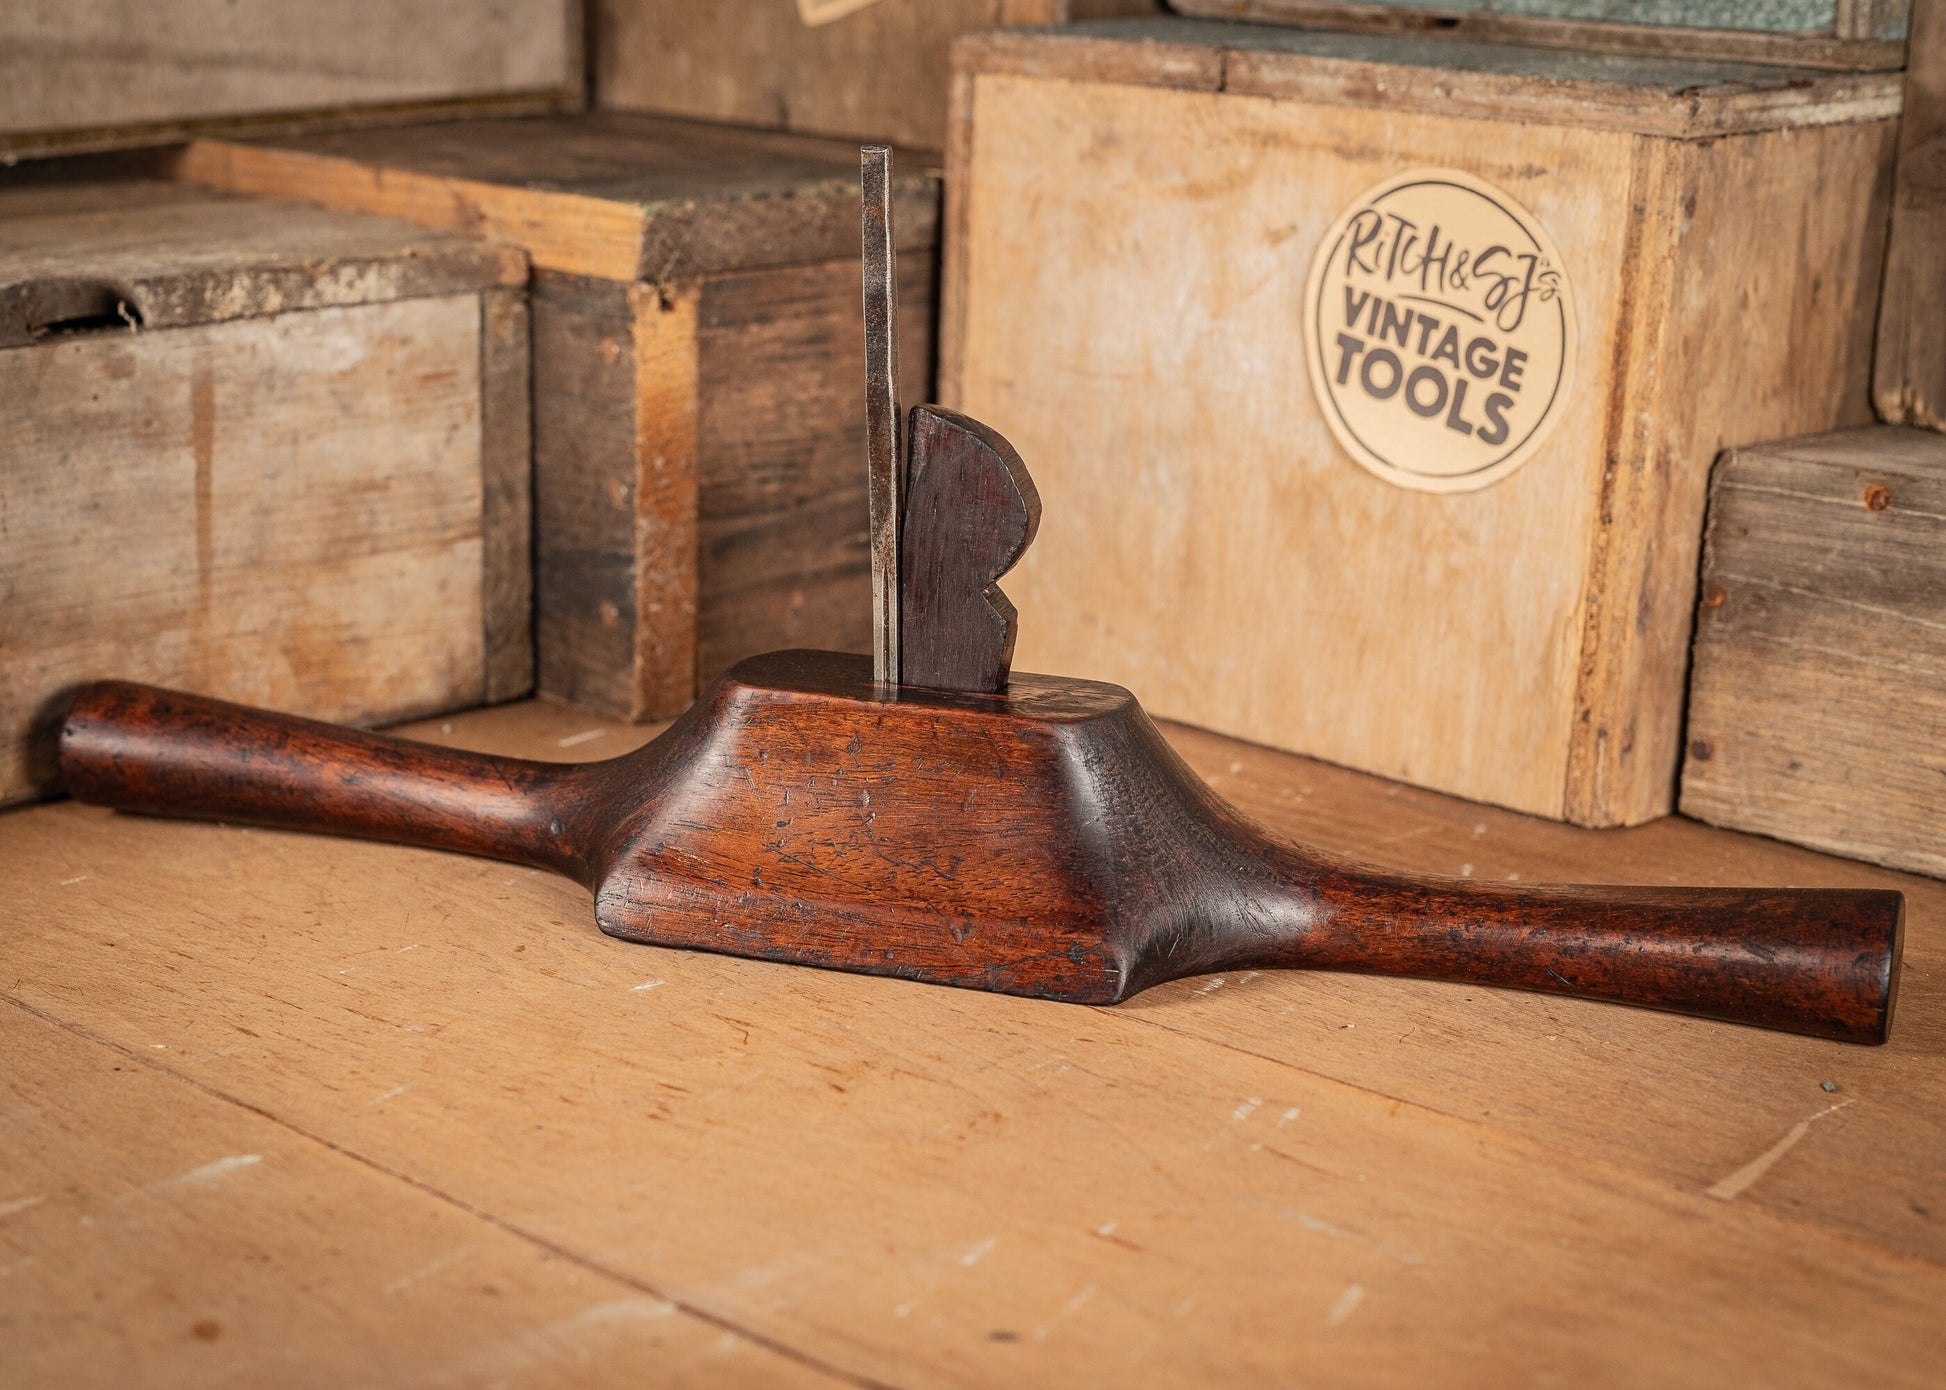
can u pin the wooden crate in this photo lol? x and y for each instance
(94, 74)
(1817, 707)
(258, 450)
(1868, 34)
(698, 367)
(876, 69)
(1134, 211)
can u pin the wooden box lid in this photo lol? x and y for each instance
(163, 255)
(1812, 33)
(606, 194)
(1455, 77)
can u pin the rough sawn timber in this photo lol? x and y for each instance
(1817, 707)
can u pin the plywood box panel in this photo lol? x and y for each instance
(319, 507)
(698, 360)
(101, 73)
(1123, 302)
(1818, 699)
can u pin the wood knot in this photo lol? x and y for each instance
(1700, 750)
(1878, 497)
(1713, 596)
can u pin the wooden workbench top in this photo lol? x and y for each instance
(287, 1110)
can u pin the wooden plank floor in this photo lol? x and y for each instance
(287, 1110)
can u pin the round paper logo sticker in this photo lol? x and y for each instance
(1439, 331)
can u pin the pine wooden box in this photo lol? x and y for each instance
(699, 450)
(258, 450)
(1134, 210)
(1817, 706)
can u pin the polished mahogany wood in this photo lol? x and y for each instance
(1044, 842)
(971, 511)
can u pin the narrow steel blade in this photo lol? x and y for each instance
(884, 459)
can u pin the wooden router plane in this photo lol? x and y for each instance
(928, 815)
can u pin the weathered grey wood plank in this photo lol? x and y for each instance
(506, 493)
(1817, 706)
(1909, 371)
(285, 511)
(584, 490)
(103, 72)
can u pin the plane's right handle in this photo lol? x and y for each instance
(1819, 961)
